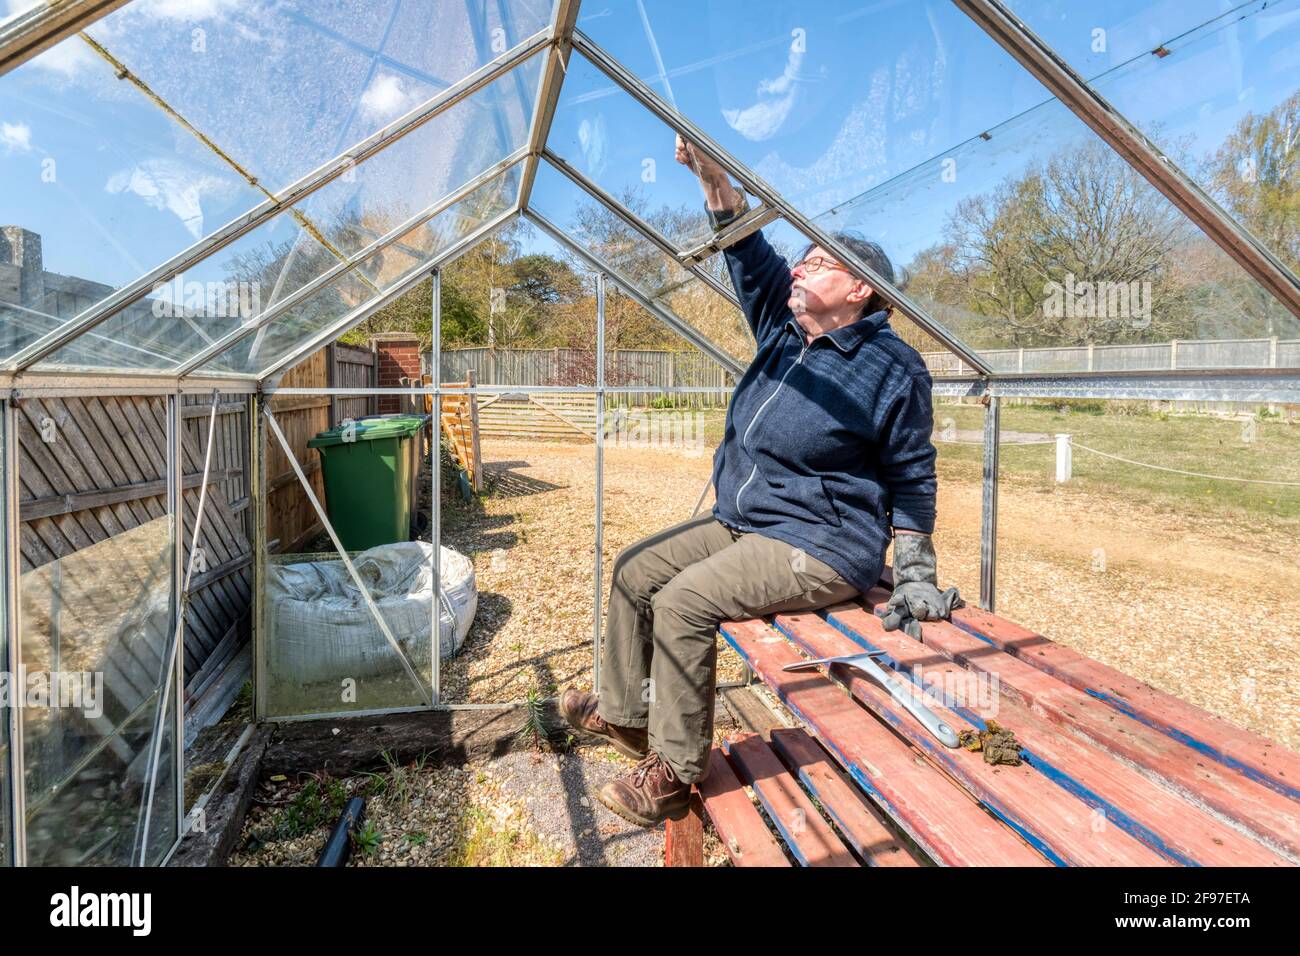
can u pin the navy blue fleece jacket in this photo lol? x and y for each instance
(827, 444)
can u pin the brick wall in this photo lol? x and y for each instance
(399, 357)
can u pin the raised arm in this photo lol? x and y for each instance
(759, 275)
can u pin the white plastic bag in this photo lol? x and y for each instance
(321, 628)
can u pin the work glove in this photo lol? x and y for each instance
(916, 594)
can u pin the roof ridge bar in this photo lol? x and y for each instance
(548, 92)
(1046, 66)
(235, 336)
(291, 195)
(756, 186)
(32, 33)
(375, 303)
(663, 313)
(637, 223)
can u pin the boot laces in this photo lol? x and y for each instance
(650, 762)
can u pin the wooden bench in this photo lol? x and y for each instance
(1114, 772)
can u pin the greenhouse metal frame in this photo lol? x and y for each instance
(29, 371)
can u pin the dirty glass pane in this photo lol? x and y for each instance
(95, 597)
(639, 262)
(286, 333)
(100, 186)
(823, 101)
(283, 87)
(190, 312)
(1218, 89)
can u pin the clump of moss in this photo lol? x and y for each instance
(998, 744)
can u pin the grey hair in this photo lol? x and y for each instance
(875, 257)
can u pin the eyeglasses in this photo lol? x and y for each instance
(817, 264)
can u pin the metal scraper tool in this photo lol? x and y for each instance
(863, 662)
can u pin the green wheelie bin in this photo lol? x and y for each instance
(368, 467)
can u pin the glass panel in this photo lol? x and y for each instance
(96, 622)
(590, 224)
(322, 649)
(100, 186)
(612, 140)
(1223, 99)
(519, 311)
(1123, 535)
(235, 285)
(821, 101)
(1038, 237)
(363, 66)
(286, 333)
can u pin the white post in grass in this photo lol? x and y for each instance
(1064, 458)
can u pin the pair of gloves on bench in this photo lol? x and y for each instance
(916, 594)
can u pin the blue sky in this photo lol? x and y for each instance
(826, 102)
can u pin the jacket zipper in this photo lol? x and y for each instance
(744, 439)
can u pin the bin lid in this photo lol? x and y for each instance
(368, 430)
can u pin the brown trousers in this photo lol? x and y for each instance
(670, 592)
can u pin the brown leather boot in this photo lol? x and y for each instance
(649, 794)
(579, 709)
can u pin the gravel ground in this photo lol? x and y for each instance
(1207, 610)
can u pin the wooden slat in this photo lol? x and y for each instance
(740, 826)
(1054, 821)
(684, 837)
(1162, 818)
(862, 826)
(806, 833)
(120, 494)
(941, 817)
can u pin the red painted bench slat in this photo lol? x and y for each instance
(740, 826)
(1052, 819)
(809, 837)
(1256, 757)
(861, 824)
(943, 820)
(1271, 818)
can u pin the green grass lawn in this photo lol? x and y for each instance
(1263, 448)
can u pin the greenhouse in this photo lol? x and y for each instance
(233, 228)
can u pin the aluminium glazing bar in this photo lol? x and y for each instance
(364, 311)
(1133, 147)
(13, 647)
(235, 336)
(308, 184)
(435, 489)
(682, 328)
(637, 224)
(757, 187)
(1182, 386)
(989, 505)
(505, 390)
(600, 478)
(548, 92)
(35, 31)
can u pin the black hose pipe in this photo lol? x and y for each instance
(339, 846)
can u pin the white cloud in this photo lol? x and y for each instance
(66, 59)
(386, 98)
(776, 99)
(16, 137)
(170, 186)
